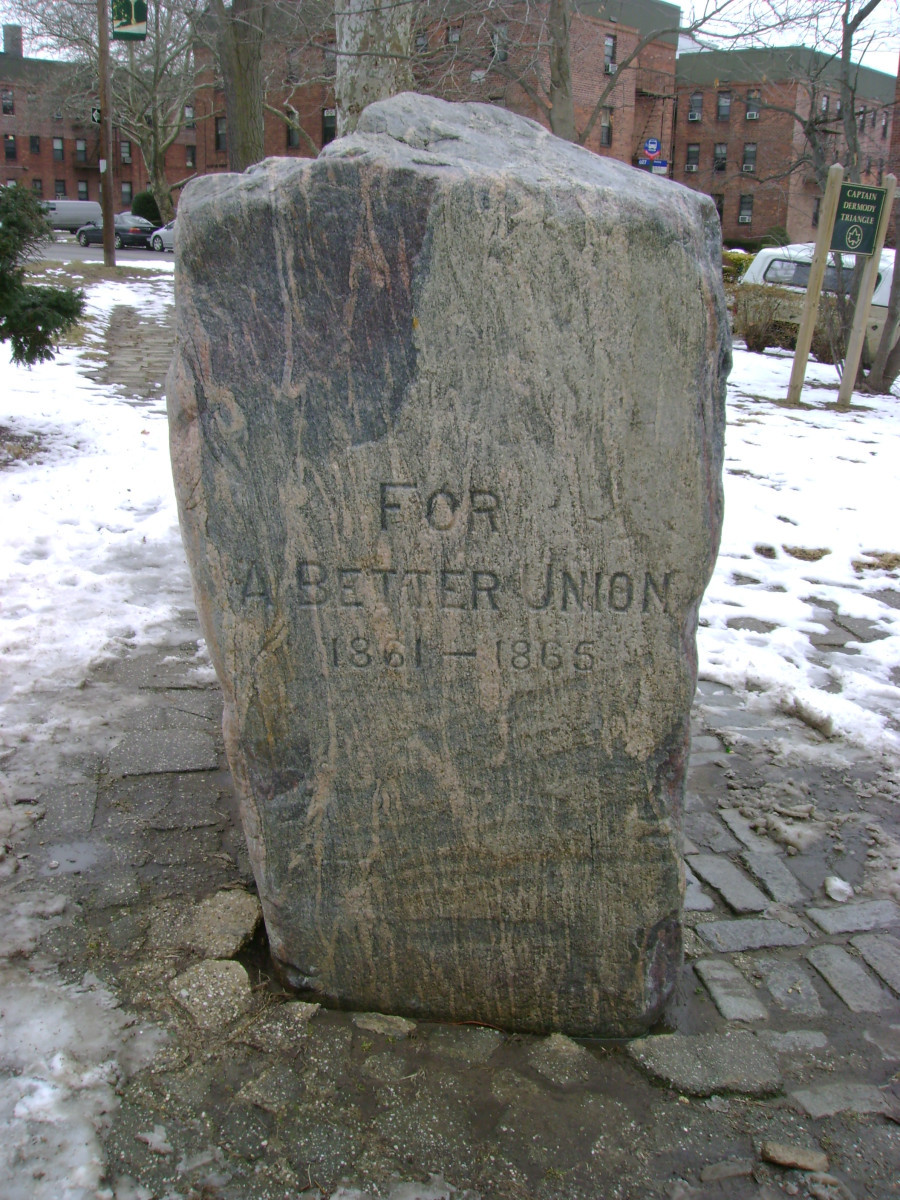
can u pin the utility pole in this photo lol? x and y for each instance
(106, 139)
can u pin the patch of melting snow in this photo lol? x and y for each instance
(64, 1049)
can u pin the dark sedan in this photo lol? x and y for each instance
(134, 231)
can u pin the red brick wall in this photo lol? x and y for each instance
(783, 197)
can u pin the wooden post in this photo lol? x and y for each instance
(814, 286)
(861, 315)
(106, 140)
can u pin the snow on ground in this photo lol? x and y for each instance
(91, 560)
(811, 500)
(90, 554)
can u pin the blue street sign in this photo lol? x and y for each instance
(651, 147)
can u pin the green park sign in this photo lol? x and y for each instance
(129, 20)
(858, 215)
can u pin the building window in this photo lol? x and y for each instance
(329, 125)
(838, 106)
(692, 162)
(749, 162)
(861, 118)
(82, 189)
(745, 212)
(753, 103)
(126, 194)
(719, 202)
(720, 156)
(221, 135)
(59, 189)
(8, 102)
(9, 147)
(825, 101)
(189, 121)
(57, 149)
(723, 106)
(868, 166)
(873, 118)
(453, 34)
(500, 43)
(37, 186)
(329, 58)
(34, 144)
(80, 150)
(606, 127)
(695, 112)
(880, 171)
(190, 156)
(609, 52)
(421, 42)
(125, 152)
(817, 208)
(884, 125)
(293, 130)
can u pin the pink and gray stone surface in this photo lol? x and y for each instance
(447, 424)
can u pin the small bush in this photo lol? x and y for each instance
(734, 264)
(759, 316)
(144, 205)
(829, 340)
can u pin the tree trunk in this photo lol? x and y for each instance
(373, 59)
(562, 109)
(886, 363)
(239, 44)
(159, 187)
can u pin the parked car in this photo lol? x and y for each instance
(129, 230)
(164, 238)
(71, 214)
(787, 269)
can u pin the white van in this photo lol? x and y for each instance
(788, 267)
(72, 214)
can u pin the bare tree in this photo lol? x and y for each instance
(151, 81)
(839, 30)
(373, 54)
(539, 48)
(238, 40)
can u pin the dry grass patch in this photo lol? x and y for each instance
(18, 447)
(805, 553)
(877, 560)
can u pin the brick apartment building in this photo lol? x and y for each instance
(53, 153)
(738, 140)
(464, 56)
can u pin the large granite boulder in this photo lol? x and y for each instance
(447, 424)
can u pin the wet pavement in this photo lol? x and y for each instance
(776, 1070)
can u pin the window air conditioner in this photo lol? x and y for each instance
(610, 68)
(692, 167)
(751, 116)
(694, 116)
(744, 219)
(748, 168)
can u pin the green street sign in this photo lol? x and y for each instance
(129, 20)
(858, 215)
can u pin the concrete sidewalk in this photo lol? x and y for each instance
(776, 1071)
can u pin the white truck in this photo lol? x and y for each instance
(787, 268)
(72, 214)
